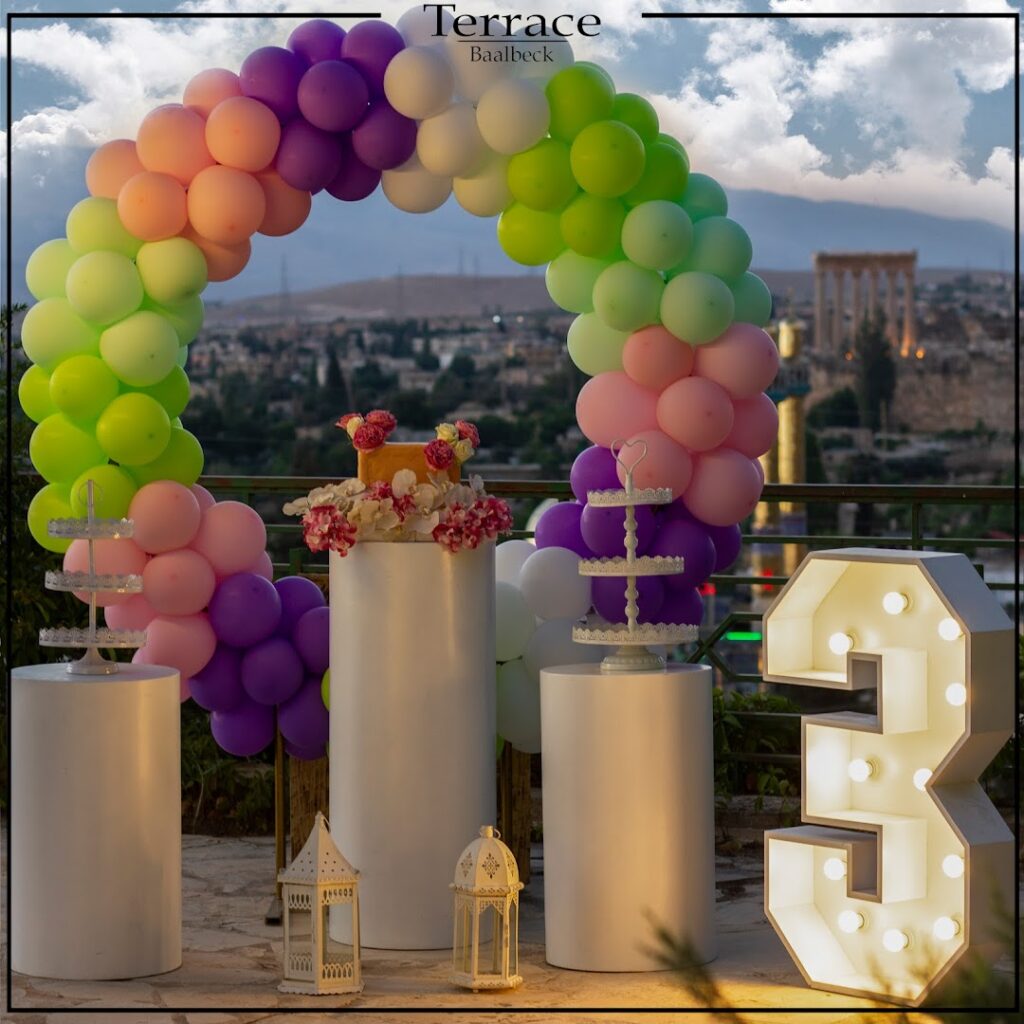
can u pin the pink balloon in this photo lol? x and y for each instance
(760, 470)
(696, 413)
(743, 360)
(231, 537)
(182, 642)
(654, 357)
(724, 489)
(755, 424)
(184, 689)
(135, 613)
(112, 557)
(611, 407)
(203, 496)
(178, 582)
(263, 567)
(166, 516)
(665, 465)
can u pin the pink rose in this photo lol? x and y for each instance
(468, 432)
(368, 437)
(439, 455)
(383, 419)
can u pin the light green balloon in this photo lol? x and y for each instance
(570, 279)
(627, 297)
(52, 331)
(34, 394)
(182, 357)
(186, 317)
(540, 177)
(94, 224)
(104, 287)
(578, 96)
(113, 490)
(594, 346)
(82, 387)
(51, 502)
(638, 113)
(753, 300)
(704, 197)
(666, 172)
(142, 349)
(657, 235)
(591, 225)
(696, 307)
(134, 429)
(172, 269)
(671, 140)
(182, 461)
(60, 449)
(48, 267)
(529, 236)
(172, 392)
(607, 158)
(597, 68)
(325, 689)
(720, 247)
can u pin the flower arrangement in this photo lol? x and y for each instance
(454, 442)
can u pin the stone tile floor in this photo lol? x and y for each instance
(232, 962)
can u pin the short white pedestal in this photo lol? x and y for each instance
(628, 814)
(412, 769)
(95, 823)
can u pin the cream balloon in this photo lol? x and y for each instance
(552, 644)
(509, 558)
(518, 706)
(419, 82)
(486, 193)
(551, 583)
(449, 143)
(474, 77)
(418, 26)
(532, 51)
(514, 621)
(413, 188)
(513, 115)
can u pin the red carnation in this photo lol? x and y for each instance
(344, 420)
(468, 432)
(368, 437)
(383, 419)
(439, 454)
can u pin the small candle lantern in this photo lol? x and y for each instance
(485, 951)
(318, 879)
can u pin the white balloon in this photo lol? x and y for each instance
(519, 707)
(513, 115)
(414, 189)
(486, 193)
(419, 24)
(419, 82)
(450, 143)
(514, 622)
(552, 644)
(473, 77)
(508, 560)
(539, 69)
(551, 583)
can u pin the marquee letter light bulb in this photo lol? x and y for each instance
(880, 865)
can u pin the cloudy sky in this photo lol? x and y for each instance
(909, 113)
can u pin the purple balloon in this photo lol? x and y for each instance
(727, 541)
(312, 639)
(593, 470)
(384, 138)
(689, 540)
(333, 96)
(271, 75)
(245, 609)
(302, 754)
(245, 730)
(317, 40)
(303, 719)
(559, 527)
(218, 687)
(604, 529)
(609, 596)
(370, 45)
(307, 158)
(355, 180)
(674, 510)
(682, 607)
(298, 595)
(271, 671)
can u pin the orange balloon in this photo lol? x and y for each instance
(209, 88)
(172, 140)
(222, 261)
(225, 205)
(152, 206)
(287, 207)
(110, 167)
(243, 133)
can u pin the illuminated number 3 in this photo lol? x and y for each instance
(904, 864)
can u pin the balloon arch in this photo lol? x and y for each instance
(580, 178)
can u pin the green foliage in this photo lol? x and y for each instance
(840, 409)
(876, 373)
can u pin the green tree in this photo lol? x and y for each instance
(876, 373)
(840, 409)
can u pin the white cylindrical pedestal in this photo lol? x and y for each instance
(629, 822)
(412, 770)
(95, 822)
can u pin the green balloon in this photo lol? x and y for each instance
(82, 387)
(607, 158)
(172, 392)
(666, 172)
(540, 177)
(325, 689)
(104, 287)
(570, 279)
(638, 114)
(142, 349)
(592, 225)
(627, 297)
(134, 429)
(94, 224)
(60, 449)
(753, 300)
(696, 307)
(671, 140)
(186, 317)
(657, 235)
(600, 70)
(48, 267)
(594, 346)
(172, 269)
(51, 502)
(182, 357)
(720, 247)
(34, 394)
(52, 331)
(181, 461)
(704, 197)
(113, 490)
(578, 95)
(529, 236)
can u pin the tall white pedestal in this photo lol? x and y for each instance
(95, 823)
(629, 820)
(412, 769)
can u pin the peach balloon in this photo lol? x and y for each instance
(135, 613)
(612, 406)
(184, 642)
(654, 357)
(231, 537)
(110, 167)
(152, 206)
(222, 261)
(112, 557)
(178, 582)
(287, 207)
(666, 463)
(203, 496)
(210, 87)
(226, 205)
(184, 689)
(263, 567)
(696, 413)
(724, 489)
(172, 140)
(744, 360)
(241, 132)
(755, 424)
(166, 516)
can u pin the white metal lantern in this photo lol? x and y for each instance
(485, 952)
(319, 878)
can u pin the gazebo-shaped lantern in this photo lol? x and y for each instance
(485, 953)
(318, 879)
